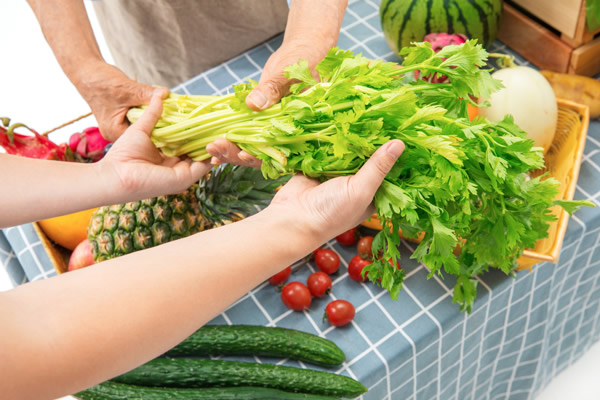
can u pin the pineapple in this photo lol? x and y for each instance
(227, 194)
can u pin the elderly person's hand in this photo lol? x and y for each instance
(312, 29)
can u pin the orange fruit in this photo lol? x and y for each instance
(68, 230)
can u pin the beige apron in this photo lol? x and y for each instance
(166, 42)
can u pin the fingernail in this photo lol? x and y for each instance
(395, 149)
(258, 99)
(215, 161)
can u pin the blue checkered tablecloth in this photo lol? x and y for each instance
(522, 331)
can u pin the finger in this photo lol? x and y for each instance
(228, 152)
(188, 172)
(152, 114)
(269, 91)
(142, 94)
(249, 160)
(370, 176)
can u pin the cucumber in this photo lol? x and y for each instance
(251, 340)
(197, 372)
(120, 391)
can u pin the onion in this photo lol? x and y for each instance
(529, 98)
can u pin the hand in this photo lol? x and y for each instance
(110, 94)
(271, 87)
(140, 169)
(332, 207)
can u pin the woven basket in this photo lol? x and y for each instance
(563, 160)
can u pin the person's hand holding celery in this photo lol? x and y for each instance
(312, 29)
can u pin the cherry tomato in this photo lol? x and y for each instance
(347, 238)
(280, 277)
(355, 267)
(327, 261)
(364, 247)
(319, 284)
(339, 312)
(295, 295)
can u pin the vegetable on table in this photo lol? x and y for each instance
(281, 276)
(348, 238)
(252, 340)
(356, 266)
(296, 296)
(457, 183)
(121, 391)
(529, 99)
(327, 261)
(196, 372)
(577, 88)
(339, 312)
(319, 284)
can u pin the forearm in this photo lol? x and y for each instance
(67, 30)
(113, 316)
(320, 19)
(36, 189)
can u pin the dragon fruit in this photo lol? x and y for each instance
(439, 41)
(88, 144)
(36, 146)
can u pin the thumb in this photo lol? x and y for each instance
(269, 91)
(368, 179)
(151, 115)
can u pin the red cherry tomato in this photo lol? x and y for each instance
(319, 284)
(364, 247)
(347, 238)
(355, 267)
(295, 295)
(327, 261)
(280, 277)
(339, 312)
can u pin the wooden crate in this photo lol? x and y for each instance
(551, 35)
(563, 160)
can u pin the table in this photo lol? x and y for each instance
(522, 332)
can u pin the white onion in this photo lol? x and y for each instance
(529, 98)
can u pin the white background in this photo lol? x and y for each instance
(33, 90)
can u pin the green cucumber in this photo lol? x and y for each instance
(197, 372)
(251, 340)
(120, 391)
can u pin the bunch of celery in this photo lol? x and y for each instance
(460, 183)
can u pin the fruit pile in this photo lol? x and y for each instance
(298, 296)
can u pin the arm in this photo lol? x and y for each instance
(108, 91)
(113, 316)
(133, 169)
(313, 28)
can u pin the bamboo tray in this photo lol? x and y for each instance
(562, 162)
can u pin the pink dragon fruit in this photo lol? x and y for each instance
(439, 41)
(88, 144)
(36, 146)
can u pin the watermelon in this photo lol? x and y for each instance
(406, 21)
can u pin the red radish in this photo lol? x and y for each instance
(82, 256)
(36, 146)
